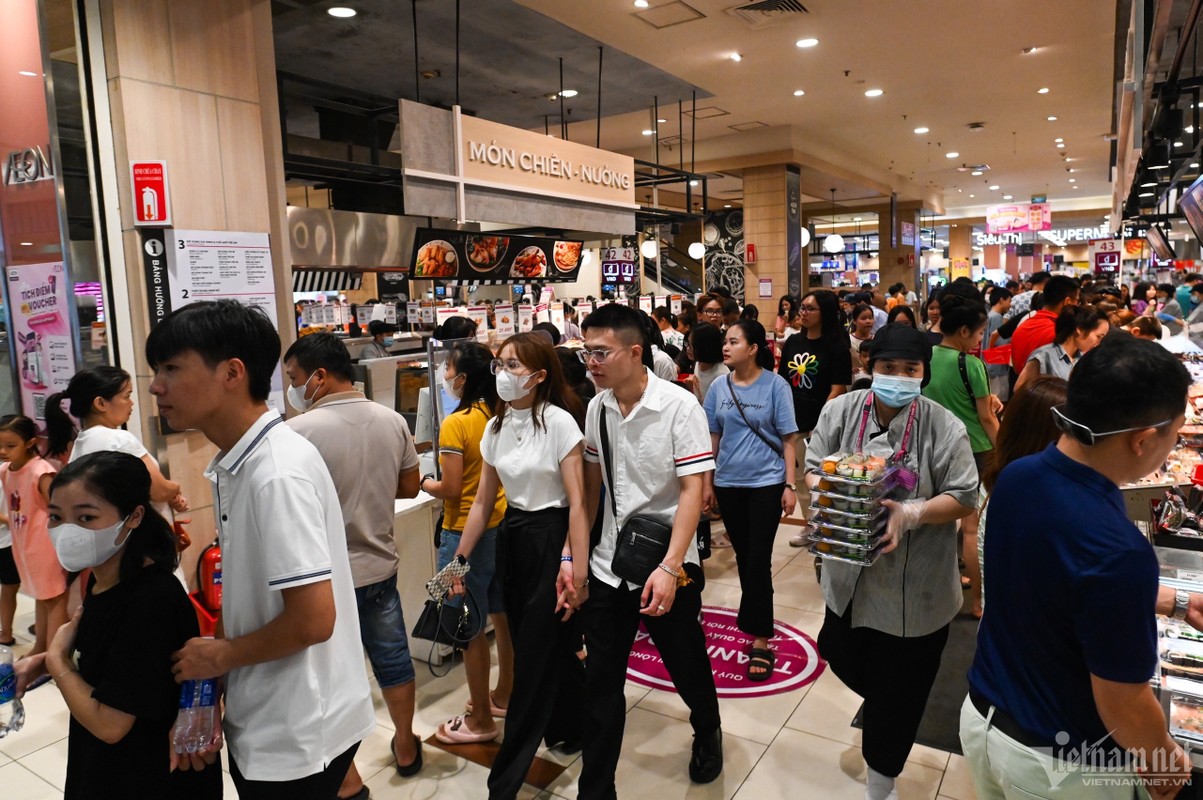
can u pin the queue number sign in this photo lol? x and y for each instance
(618, 264)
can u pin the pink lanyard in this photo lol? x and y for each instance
(906, 434)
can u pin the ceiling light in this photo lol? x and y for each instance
(1029, 50)
(994, 188)
(976, 173)
(833, 243)
(696, 250)
(1051, 119)
(1177, 144)
(972, 195)
(1189, 129)
(1061, 145)
(1058, 140)
(921, 130)
(649, 133)
(1160, 166)
(1042, 90)
(649, 249)
(1008, 197)
(569, 93)
(1145, 194)
(1073, 180)
(804, 43)
(804, 237)
(1148, 185)
(641, 4)
(27, 244)
(661, 121)
(1194, 165)
(874, 93)
(857, 219)
(798, 93)
(1071, 169)
(28, 74)
(951, 154)
(694, 183)
(736, 57)
(342, 12)
(726, 205)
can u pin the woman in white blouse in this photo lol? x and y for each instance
(534, 448)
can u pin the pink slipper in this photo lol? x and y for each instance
(455, 731)
(494, 709)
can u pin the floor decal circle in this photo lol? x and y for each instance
(797, 658)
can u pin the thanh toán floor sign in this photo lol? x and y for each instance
(797, 663)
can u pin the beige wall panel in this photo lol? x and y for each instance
(213, 44)
(134, 32)
(160, 122)
(242, 166)
(190, 452)
(202, 530)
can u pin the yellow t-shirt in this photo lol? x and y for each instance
(461, 433)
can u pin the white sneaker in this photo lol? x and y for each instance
(801, 538)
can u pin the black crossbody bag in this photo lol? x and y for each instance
(772, 446)
(643, 541)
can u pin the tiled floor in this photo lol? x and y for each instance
(795, 745)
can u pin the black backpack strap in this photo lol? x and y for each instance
(961, 359)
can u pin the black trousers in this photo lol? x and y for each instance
(894, 675)
(318, 786)
(548, 677)
(610, 620)
(751, 517)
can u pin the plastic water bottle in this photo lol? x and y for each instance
(12, 713)
(194, 723)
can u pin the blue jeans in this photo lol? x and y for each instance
(382, 630)
(483, 580)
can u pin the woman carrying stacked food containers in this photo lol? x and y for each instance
(900, 468)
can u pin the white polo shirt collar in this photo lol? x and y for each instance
(234, 458)
(652, 397)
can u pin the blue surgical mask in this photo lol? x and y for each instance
(896, 391)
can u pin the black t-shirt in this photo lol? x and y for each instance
(812, 367)
(124, 644)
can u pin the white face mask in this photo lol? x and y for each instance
(449, 387)
(296, 395)
(511, 387)
(81, 548)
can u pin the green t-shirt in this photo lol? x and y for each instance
(948, 389)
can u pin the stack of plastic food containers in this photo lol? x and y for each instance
(849, 519)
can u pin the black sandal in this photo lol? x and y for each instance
(763, 658)
(413, 767)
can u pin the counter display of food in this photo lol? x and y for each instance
(1178, 681)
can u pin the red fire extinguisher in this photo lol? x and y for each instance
(208, 576)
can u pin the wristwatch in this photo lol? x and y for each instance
(422, 483)
(792, 487)
(1181, 604)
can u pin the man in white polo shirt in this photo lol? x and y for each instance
(371, 457)
(659, 447)
(297, 698)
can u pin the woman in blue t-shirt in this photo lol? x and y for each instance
(752, 427)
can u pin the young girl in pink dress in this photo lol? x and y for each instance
(26, 481)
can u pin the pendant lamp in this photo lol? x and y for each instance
(834, 243)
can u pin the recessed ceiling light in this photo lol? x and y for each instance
(1177, 144)
(976, 173)
(1029, 50)
(1145, 194)
(1160, 166)
(798, 93)
(736, 57)
(694, 183)
(661, 121)
(1042, 90)
(1060, 145)
(856, 219)
(1058, 140)
(1073, 180)
(921, 130)
(641, 3)
(1008, 196)
(973, 195)
(649, 133)
(994, 188)
(874, 93)
(804, 43)
(28, 74)
(569, 93)
(952, 154)
(1071, 169)
(1051, 119)
(1148, 185)
(726, 205)
(342, 12)
(1194, 165)
(27, 244)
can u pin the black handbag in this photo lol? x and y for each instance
(442, 624)
(643, 541)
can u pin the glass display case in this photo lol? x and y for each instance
(1179, 678)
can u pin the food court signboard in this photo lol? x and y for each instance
(1019, 218)
(494, 258)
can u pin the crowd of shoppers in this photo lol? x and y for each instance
(534, 454)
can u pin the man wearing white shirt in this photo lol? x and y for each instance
(297, 699)
(659, 447)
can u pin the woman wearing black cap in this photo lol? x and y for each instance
(886, 625)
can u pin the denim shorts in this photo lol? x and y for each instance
(483, 580)
(382, 630)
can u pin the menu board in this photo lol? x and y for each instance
(584, 309)
(525, 318)
(225, 265)
(503, 313)
(41, 319)
(480, 315)
(465, 256)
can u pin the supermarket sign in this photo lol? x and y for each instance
(1062, 234)
(797, 658)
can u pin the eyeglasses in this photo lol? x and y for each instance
(496, 366)
(598, 356)
(804, 309)
(712, 312)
